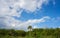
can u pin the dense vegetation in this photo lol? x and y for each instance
(35, 33)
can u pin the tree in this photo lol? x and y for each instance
(30, 29)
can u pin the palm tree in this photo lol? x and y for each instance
(30, 29)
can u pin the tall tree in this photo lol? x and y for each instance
(30, 29)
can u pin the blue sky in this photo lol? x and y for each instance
(19, 14)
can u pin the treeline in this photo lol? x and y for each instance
(47, 32)
(34, 33)
(12, 32)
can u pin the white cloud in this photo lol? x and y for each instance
(16, 24)
(9, 8)
(28, 5)
(25, 24)
(32, 5)
(35, 27)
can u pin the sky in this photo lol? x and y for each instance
(19, 14)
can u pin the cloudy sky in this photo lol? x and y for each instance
(19, 14)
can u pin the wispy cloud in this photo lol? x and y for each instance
(16, 24)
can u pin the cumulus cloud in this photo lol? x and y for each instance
(10, 8)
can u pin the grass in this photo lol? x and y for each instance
(27, 37)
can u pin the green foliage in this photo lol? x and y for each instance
(29, 27)
(20, 33)
(30, 31)
(35, 33)
(12, 32)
